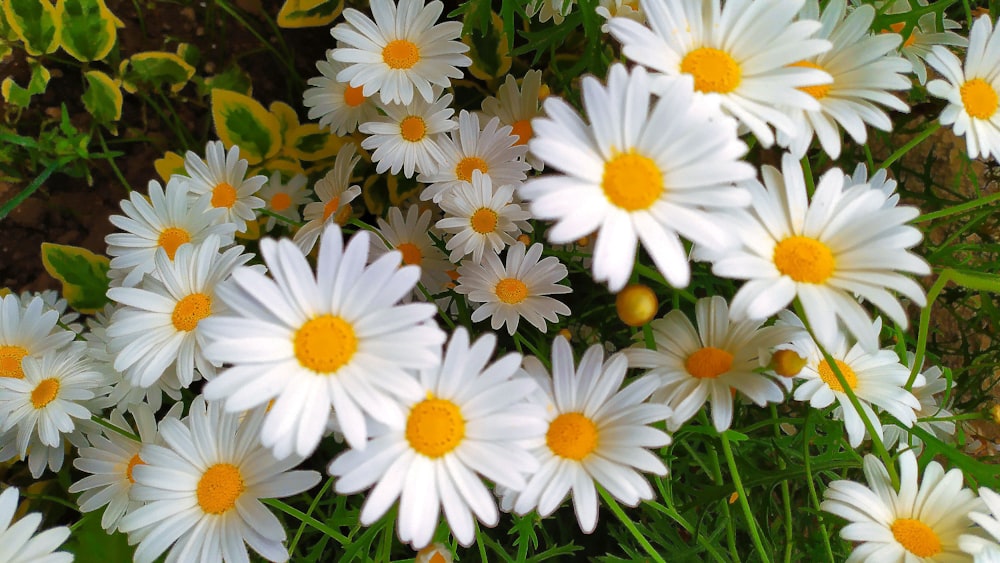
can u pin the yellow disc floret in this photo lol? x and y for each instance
(469, 164)
(572, 436)
(818, 91)
(522, 130)
(511, 290)
(979, 98)
(412, 128)
(632, 181)
(435, 427)
(804, 259)
(787, 363)
(713, 70)
(190, 310)
(484, 220)
(171, 239)
(136, 460)
(45, 392)
(411, 254)
(354, 96)
(708, 362)
(324, 344)
(10, 361)
(918, 538)
(281, 201)
(400, 54)
(223, 195)
(830, 378)
(219, 488)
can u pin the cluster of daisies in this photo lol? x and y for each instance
(337, 331)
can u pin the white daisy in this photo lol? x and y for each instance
(18, 541)
(738, 54)
(27, 331)
(708, 363)
(160, 325)
(220, 182)
(971, 89)
(924, 35)
(875, 376)
(167, 219)
(862, 71)
(480, 218)
(311, 341)
(515, 289)
(203, 487)
(608, 9)
(338, 105)
(984, 549)
(401, 50)
(517, 107)
(636, 174)
(555, 10)
(918, 523)
(845, 240)
(406, 138)
(284, 198)
(597, 432)
(491, 150)
(469, 418)
(411, 237)
(930, 413)
(335, 194)
(51, 299)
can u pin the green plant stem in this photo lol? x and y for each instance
(305, 518)
(909, 146)
(114, 428)
(290, 68)
(786, 501)
(33, 186)
(956, 209)
(806, 456)
(727, 451)
(613, 505)
(312, 508)
(111, 161)
(716, 470)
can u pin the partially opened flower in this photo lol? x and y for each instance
(411, 237)
(335, 194)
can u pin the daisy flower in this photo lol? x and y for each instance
(517, 107)
(971, 89)
(636, 174)
(401, 50)
(597, 432)
(20, 544)
(984, 549)
(284, 198)
(335, 338)
(922, 37)
(708, 363)
(846, 240)
(167, 219)
(160, 325)
(220, 182)
(202, 489)
(491, 150)
(931, 411)
(27, 331)
(479, 218)
(608, 9)
(338, 105)
(52, 301)
(862, 70)
(335, 194)
(515, 289)
(411, 237)
(921, 522)
(875, 376)
(469, 418)
(406, 138)
(555, 10)
(740, 55)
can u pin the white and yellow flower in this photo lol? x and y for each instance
(407, 137)
(411, 237)
(516, 107)
(338, 105)
(335, 194)
(284, 198)
(481, 219)
(18, 541)
(221, 182)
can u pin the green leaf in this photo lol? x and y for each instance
(17, 95)
(309, 13)
(241, 120)
(309, 142)
(488, 49)
(103, 98)
(84, 275)
(233, 78)
(88, 29)
(36, 23)
(91, 544)
(155, 68)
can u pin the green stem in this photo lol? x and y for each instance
(114, 428)
(613, 505)
(727, 450)
(312, 508)
(33, 186)
(786, 501)
(954, 210)
(909, 146)
(305, 518)
(806, 456)
(111, 161)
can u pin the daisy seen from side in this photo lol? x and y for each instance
(18, 541)
(932, 416)
(410, 235)
(338, 105)
(471, 418)
(406, 137)
(284, 198)
(28, 330)
(335, 194)
(220, 182)
(636, 173)
(921, 38)
(517, 106)
(481, 219)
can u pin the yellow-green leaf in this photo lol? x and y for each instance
(241, 120)
(488, 50)
(87, 30)
(17, 95)
(84, 275)
(309, 13)
(171, 163)
(155, 68)
(287, 118)
(103, 98)
(289, 166)
(309, 142)
(36, 23)
(233, 78)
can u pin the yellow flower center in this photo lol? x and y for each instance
(572, 436)
(632, 181)
(713, 70)
(412, 128)
(830, 378)
(435, 427)
(898, 28)
(804, 259)
(331, 207)
(219, 488)
(411, 254)
(918, 538)
(324, 344)
(45, 393)
(171, 238)
(353, 96)
(484, 220)
(469, 164)
(400, 54)
(636, 304)
(223, 195)
(522, 130)
(787, 363)
(511, 290)
(190, 310)
(708, 363)
(979, 98)
(818, 91)
(136, 460)
(10, 361)
(281, 201)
